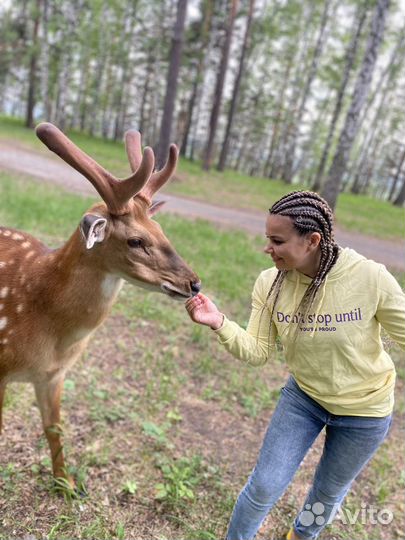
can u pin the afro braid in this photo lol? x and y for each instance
(309, 213)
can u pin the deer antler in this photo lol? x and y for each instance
(116, 193)
(158, 178)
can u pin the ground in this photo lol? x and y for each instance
(128, 413)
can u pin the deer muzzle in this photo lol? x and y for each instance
(178, 294)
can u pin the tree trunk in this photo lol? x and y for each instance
(289, 118)
(350, 57)
(205, 34)
(396, 55)
(332, 186)
(145, 91)
(399, 201)
(277, 120)
(235, 92)
(171, 88)
(32, 77)
(219, 87)
(123, 60)
(290, 154)
(102, 63)
(397, 176)
(385, 94)
(83, 89)
(45, 62)
(369, 143)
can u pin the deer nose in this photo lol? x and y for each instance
(195, 287)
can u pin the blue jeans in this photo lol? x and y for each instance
(297, 421)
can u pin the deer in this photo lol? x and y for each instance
(52, 300)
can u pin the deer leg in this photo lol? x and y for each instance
(48, 395)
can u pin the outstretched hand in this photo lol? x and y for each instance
(203, 311)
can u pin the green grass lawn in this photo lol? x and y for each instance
(162, 425)
(355, 213)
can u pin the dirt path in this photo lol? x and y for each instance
(52, 169)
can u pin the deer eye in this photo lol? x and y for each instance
(135, 242)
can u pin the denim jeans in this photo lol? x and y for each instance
(297, 421)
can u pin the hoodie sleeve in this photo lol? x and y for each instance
(391, 307)
(252, 345)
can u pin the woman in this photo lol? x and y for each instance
(326, 305)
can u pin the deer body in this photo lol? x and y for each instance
(51, 301)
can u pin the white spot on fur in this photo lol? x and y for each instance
(29, 254)
(20, 308)
(4, 341)
(17, 236)
(25, 245)
(2, 264)
(4, 292)
(3, 323)
(7, 233)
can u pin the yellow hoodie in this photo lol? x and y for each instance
(336, 356)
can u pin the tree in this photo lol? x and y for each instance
(332, 186)
(360, 17)
(397, 175)
(400, 199)
(171, 86)
(219, 86)
(236, 88)
(33, 75)
(288, 170)
(203, 38)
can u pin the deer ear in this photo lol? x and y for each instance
(155, 207)
(93, 228)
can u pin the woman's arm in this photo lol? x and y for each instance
(253, 345)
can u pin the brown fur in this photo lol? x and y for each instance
(52, 301)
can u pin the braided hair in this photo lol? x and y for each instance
(309, 213)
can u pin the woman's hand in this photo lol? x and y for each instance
(203, 311)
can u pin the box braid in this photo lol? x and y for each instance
(309, 213)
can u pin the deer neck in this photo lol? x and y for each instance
(77, 288)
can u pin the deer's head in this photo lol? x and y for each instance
(120, 233)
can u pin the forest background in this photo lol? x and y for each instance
(162, 426)
(302, 91)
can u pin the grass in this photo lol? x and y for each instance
(359, 213)
(162, 426)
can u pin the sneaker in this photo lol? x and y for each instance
(288, 535)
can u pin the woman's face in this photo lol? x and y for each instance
(288, 249)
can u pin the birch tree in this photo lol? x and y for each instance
(171, 87)
(33, 74)
(288, 170)
(360, 17)
(236, 89)
(332, 186)
(216, 107)
(204, 38)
